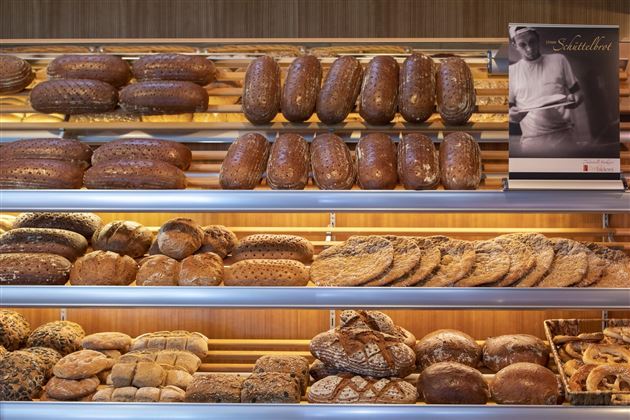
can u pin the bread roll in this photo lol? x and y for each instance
(14, 329)
(15, 74)
(135, 174)
(180, 237)
(69, 245)
(49, 357)
(33, 269)
(416, 88)
(269, 246)
(40, 174)
(261, 91)
(418, 162)
(340, 90)
(163, 97)
(455, 91)
(123, 237)
(289, 163)
(331, 162)
(191, 68)
(376, 162)
(270, 388)
(525, 384)
(504, 350)
(379, 91)
(103, 268)
(460, 162)
(201, 270)
(84, 224)
(245, 162)
(167, 151)
(73, 96)
(106, 68)
(266, 273)
(301, 86)
(349, 389)
(68, 150)
(447, 346)
(158, 270)
(453, 383)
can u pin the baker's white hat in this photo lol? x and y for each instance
(517, 30)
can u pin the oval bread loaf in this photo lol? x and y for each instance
(245, 162)
(301, 86)
(268, 246)
(84, 224)
(181, 67)
(33, 269)
(455, 91)
(180, 237)
(376, 162)
(69, 245)
(379, 91)
(349, 389)
(123, 237)
(453, 383)
(416, 88)
(460, 162)
(525, 384)
(15, 74)
(331, 162)
(103, 268)
(73, 96)
(289, 163)
(40, 174)
(418, 162)
(106, 68)
(340, 90)
(69, 150)
(261, 91)
(167, 151)
(163, 97)
(266, 273)
(504, 350)
(135, 174)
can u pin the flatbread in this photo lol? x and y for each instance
(596, 268)
(522, 260)
(617, 269)
(430, 256)
(406, 258)
(570, 264)
(457, 259)
(491, 264)
(354, 262)
(542, 248)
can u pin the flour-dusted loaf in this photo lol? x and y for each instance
(163, 97)
(262, 90)
(377, 321)
(182, 67)
(301, 86)
(453, 383)
(84, 224)
(135, 175)
(63, 336)
(376, 162)
(33, 269)
(178, 359)
(82, 364)
(180, 237)
(104, 67)
(271, 388)
(123, 237)
(59, 389)
(273, 246)
(73, 96)
(107, 341)
(331, 162)
(455, 91)
(218, 239)
(418, 162)
(289, 163)
(193, 342)
(460, 162)
(447, 346)
(379, 90)
(416, 88)
(204, 269)
(167, 151)
(504, 350)
(14, 330)
(69, 150)
(104, 268)
(40, 174)
(525, 384)
(167, 393)
(266, 272)
(138, 374)
(354, 389)
(158, 270)
(340, 90)
(215, 388)
(15, 74)
(65, 243)
(245, 162)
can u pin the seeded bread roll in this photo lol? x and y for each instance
(73, 96)
(191, 68)
(40, 174)
(301, 86)
(379, 91)
(218, 239)
(49, 357)
(331, 163)
(201, 270)
(270, 388)
(103, 268)
(180, 237)
(376, 162)
(68, 150)
(504, 350)
(269, 246)
(455, 91)
(22, 377)
(460, 162)
(215, 388)
(525, 384)
(453, 383)
(106, 68)
(33, 269)
(167, 151)
(63, 336)
(447, 346)
(295, 366)
(416, 88)
(14, 329)
(65, 243)
(84, 224)
(340, 90)
(123, 237)
(349, 389)
(158, 270)
(245, 162)
(135, 174)
(15, 74)
(261, 91)
(289, 163)
(163, 97)
(266, 273)
(418, 162)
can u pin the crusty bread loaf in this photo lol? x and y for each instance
(138, 374)
(245, 162)
(69, 245)
(270, 246)
(49, 357)
(289, 163)
(455, 91)
(379, 91)
(416, 88)
(376, 162)
(218, 239)
(33, 269)
(14, 329)
(453, 383)
(525, 384)
(194, 342)
(204, 269)
(107, 341)
(447, 346)
(106, 68)
(158, 270)
(418, 162)
(266, 273)
(377, 321)
(340, 90)
(460, 162)
(69, 150)
(135, 174)
(504, 350)
(191, 68)
(180, 237)
(167, 393)
(40, 174)
(23, 377)
(15, 74)
(103, 268)
(123, 237)
(82, 364)
(84, 224)
(261, 91)
(319, 370)
(331, 163)
(215, 388)
(163, 97)
(167, 151)
(178, 359)
(73, 96)
(270, 388)
(301, 86)
(295, 366)
(63, 336)
(349, 389)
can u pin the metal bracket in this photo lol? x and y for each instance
(604, 319)
(63, 314)
(605, 225)
(330, 236)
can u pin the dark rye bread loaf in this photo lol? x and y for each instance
(455, 91)
(84, 224)
(218, 239)
(180, 237)
(189, 68)
(215, 388)
(135, 175)
(271, 388)
(245, 162)
(269, 246)
(331, 163)
(123, 237)
(40, 174)
(453, 383)
(418, 162)
(261, 91)
(295, 366)
(106, 68)
(350, 389)
(33, 269)
(69, 150)
(73, 96)
(69, 245)
(163, 97)
(416, 88)
(340, 90)
(289, 163)
(379, 91)
(266, 272)
(103, 268)
(504, 350)
(15, 74)
(525, 384)
(167, 151)
(376, 162)
(447, 346)
(301, 86)
(460, 162)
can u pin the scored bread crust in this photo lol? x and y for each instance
(351, 389)
(266, 272)
(269, 246)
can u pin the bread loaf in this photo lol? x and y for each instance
(63, 336)
(218, 239)
(167, 151)
(331, 162)
(69, 150)
(416, 88)
(261, 91)
(301, 86)
(135, 174)
(49, 357)
(103, 268)
(178, 359)
(460, 162)
(455, 91)
(453, 383)
(195, 342)
(269, 246)
(418, 162)
(376, 162)
(504, 350)
(340, 90)
(158, 270)
(23, 377)
(180, 237)
(377, 321)
(266, 273)
(167, 393)
(295, 366)
(215, 388)
(447, 346)
(525, 384)
(15, 74)
(270, 388)
(289, 163)
(163, 97)
(73, 96)
(319, 370)
(33, 269)
(40, 174)
(69, 245)
(245, 162)
(14, 329)
(84, 224)
(349, 389)
(106, 68)
(138, 374)
(107, 341)
(191, 68)
(123, 237)
(379, 91)
(201, 270)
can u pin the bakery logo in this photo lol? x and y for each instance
(564, 103)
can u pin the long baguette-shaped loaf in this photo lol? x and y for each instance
(106, 68)
(73, 96)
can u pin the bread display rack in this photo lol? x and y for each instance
(210, 140)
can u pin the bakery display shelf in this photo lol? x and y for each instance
(315, 297)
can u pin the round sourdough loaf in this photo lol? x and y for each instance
(379, 90)
(270, 246)
(301, 86)
(376, 162)
(447, 346)
(416, 88)
(103, 268)
(245, 162)
(289, 163)
(191, 68)
(453, 383)
(14, 329)
(34, 269)
(504, 350)
(331, 163)
(81, 364)
(418, 162)
(40, 174)
(158, 270)
(73, 96)
(266, 272)
(340, 90)
(65, 243)
(68, 150)
(204, 269)
(525, 384)
(69, 389)
(104, 67)
(167, 151)
(15, 74)
(123, 237)
(84, 224)
(180, 237)
(261, 90)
